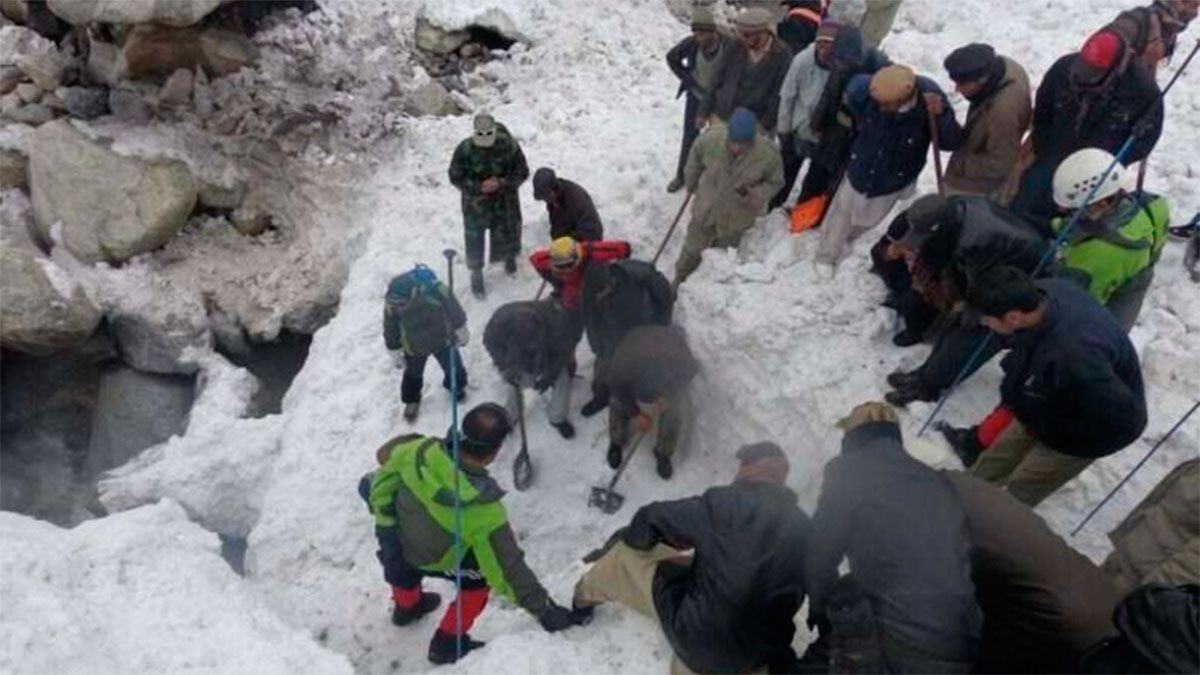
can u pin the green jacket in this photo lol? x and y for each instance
(414, 492)
(1112, 252)
(714, 176)
(472, 164)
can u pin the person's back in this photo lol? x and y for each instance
(621, 296)
(1159, 541)
(993, 235)
(528, 338)
(574, 215)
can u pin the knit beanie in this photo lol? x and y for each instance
(702, 18)
(848, 51)
(742, 126)
(970, 63)
(893, 84)
(828, 30)
(544, 182)
(755, 18)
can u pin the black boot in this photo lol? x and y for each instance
(582, 616)
(906, 338)
(477, 288)
(663, 465)
(593, 406)
(403, 616)
(899, 379)
(442, 648)
(614, 455)
(916, 391)
(565, 429)
(964, 441)
(510, 266)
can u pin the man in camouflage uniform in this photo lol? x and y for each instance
(488, 168)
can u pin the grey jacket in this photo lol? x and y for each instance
(799, 95)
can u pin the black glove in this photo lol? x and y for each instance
(555, 618)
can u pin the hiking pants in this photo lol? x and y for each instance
(793, 155)
(1028, 469)
(698, 238)
(953, 350)
(671, 425)
(560, 398)
(505, 243)
(690, 109)
(414, 373)
(1126, 303)
(852, 214)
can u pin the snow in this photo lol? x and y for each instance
(784, 355)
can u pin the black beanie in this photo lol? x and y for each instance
(544, 182)
(970, 63)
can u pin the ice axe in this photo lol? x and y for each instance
(522, 467)
(605, 498)
(671, 230)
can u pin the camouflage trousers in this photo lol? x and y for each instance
(505, 244)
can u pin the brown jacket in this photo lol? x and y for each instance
(1043, 603)
(1160, 539)
(992, 136)
(731, 192)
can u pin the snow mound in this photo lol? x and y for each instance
(142, 592)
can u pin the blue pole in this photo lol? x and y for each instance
(456, 446)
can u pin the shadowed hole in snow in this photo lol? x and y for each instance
(233, 550)
(489, 38)
(275, 364)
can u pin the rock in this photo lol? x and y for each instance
(36, 56)
(437, 40)
(13, 169)
(251, 220)
(154, 342)
(159, 50)
(135, 411)
(34, 114)
(223, 197)
(177, 91)
(44, 310)
(84, 102)
(431, 98)
(166, 12)
(29, 92)
(17, 10)
(10, 77)
(202, 94)
(16, 221)
(53, 102)
(10, 102)
(129, 106)
(470, 50)
(111, 207)
(104, 63)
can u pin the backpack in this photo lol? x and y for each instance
(415, 301)
(640, 282)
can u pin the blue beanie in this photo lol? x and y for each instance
(742, 126)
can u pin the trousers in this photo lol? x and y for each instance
(414, 373)
(671, 425)
(1027, 468)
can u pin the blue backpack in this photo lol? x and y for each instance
(415, 300)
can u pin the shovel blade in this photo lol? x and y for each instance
(522, 472)
(606, 500)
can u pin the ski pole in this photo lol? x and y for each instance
(675, 223)
(455, 445)
(1135, 469)
(935, 145)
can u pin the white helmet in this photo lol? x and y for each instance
(1080, 172)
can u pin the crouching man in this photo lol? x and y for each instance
(411, 496)
(717, 571)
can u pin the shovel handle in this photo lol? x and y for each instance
(522, 466)
(625, 462)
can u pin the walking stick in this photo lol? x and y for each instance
(937, 153)
(671, 230)
(1135, 469)
(455, 446)
(522, 467)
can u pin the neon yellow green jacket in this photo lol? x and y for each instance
(1112, 252)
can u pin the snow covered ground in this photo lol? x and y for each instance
(784, 357)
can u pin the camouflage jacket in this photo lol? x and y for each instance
(472, 165)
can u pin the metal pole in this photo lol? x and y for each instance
(455, 446)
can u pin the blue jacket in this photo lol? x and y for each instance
(889, 150)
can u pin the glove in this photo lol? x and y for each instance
(397, 358)
(462, 336)
(643, 422)
(555, 618)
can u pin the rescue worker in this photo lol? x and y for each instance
(569, 207)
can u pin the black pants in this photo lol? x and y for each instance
(690, 109)
(953, 350)
(918, 315)
(399, 572)
(414, 374)
(820, 180)
(505, 243)
(793, 155)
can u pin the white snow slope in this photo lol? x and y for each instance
(784, 355)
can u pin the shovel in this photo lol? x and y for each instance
(522, 467)
(605, 498)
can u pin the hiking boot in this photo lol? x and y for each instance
(411, 410)
(477, 288)
(663, 466)
(807, 214)
(906, 338)
(915, 391)
(402, 616)
(1183, 232)
(898, 379)
(592, 407)
(675, 185)
(582, 616)
(442, 648)
(510, 267)
(565, 429)
(964, 441)
(614, 455)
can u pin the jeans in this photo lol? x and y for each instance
(414, 373)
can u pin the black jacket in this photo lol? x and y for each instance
(901, 526)
(573, 214)
(620, 296)
(738, 83)
(1074, 381)
(978, 234)
(731, 610)
(1061, 125)
(530, 339)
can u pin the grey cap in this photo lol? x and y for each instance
(755, 18)
(924, 220)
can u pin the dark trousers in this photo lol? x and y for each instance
(820, 180)
(793, 155)
(951, 353)
(600, 390)
(918, 315)
(690, 109)
(1035, 197)
(414, 373)
(505, 243)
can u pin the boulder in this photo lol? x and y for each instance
(36, 56)
(437, 40)
(34, 114)
(167, 12)
(10, 77)
(104, 63)
(44, 310)
(17, 10)
(84, 102)
(13, 166)
(177, 91)
(433, 99)
(135, 411)
(222, 197)
(29, 92)
(159, 50)
(128, 106)
(110, 207)
(251, 220)
(226, 52)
